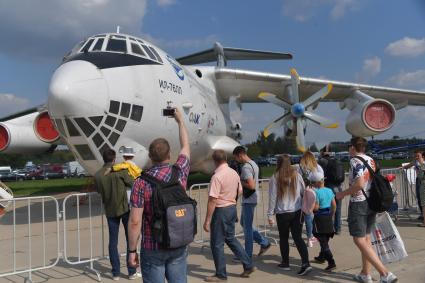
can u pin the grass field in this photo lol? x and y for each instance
(49, 187)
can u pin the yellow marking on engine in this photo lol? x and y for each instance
(332, 126)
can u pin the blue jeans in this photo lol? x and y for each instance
(157, 265)
(418, 193)
(114, 256)
(223, 231)
(309, 224)
(251, 235)
(337, 221)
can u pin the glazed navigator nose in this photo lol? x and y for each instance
(77, 88)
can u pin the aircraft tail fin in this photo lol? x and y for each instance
(223, 54)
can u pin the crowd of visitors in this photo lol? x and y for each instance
(309, 193)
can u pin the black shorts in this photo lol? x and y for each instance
(361, 219)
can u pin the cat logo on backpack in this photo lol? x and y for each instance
(180, 212)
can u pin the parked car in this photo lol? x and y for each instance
(388, 156)
(7, 176)
(21, 174)
(262, 162)
(74, 169)
(400, 155)
(272, 160)
(47, 171)
(295, 159)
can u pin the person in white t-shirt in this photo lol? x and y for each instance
(360, 218)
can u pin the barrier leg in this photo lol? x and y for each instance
(91, 268)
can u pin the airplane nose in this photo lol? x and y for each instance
(77, 88)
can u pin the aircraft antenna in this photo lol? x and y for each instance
(118, 29)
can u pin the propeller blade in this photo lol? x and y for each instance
(278, 123)
(300, 139)
(295, 81)
(317, 96)
(322, 121)
(269, 97)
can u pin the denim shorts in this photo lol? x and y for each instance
(360, 219)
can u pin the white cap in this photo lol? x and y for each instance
(127, 151)
(316, 176)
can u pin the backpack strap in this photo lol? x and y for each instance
(174, 175)
(371, 171)
(253, 170)
(365, 163)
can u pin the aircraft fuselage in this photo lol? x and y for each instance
(104, 99)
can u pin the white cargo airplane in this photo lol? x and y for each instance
(110, 91)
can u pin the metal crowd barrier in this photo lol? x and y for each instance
(81, 230)
(83, 226)
(34, 208)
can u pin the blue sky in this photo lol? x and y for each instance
(378, 42)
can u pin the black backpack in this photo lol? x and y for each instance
(380, 194)
(174, 221)
(334, 172)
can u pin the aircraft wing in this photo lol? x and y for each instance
(246, 85)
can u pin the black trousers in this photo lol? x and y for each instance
(325, 251)
(291, 221)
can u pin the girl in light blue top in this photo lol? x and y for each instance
(324, 212)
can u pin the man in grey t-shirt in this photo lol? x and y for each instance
(249, 180)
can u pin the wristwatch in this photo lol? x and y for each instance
(132, 251)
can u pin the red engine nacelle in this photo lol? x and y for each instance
(44, 128)
(4, 137)
(30, 133)
(373, 117)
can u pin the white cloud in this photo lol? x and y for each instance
(10, 103)
(194, 43)
(406, 47)
(340, 8)
(49, 28)
(371, 67)
(303, 10)
(165, 3)
(414, 79)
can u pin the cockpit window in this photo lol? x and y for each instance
(156, 53)
(151, 55)
(77, 47)
(118, 36)
(136, 49)
(98, 44)
(117, 45)
(87, 45)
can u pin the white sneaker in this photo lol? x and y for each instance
(115, 278)
(134, 276)
(363, 278)
(310, 243)
(390, 278)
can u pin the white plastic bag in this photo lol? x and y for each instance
(386, 240)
